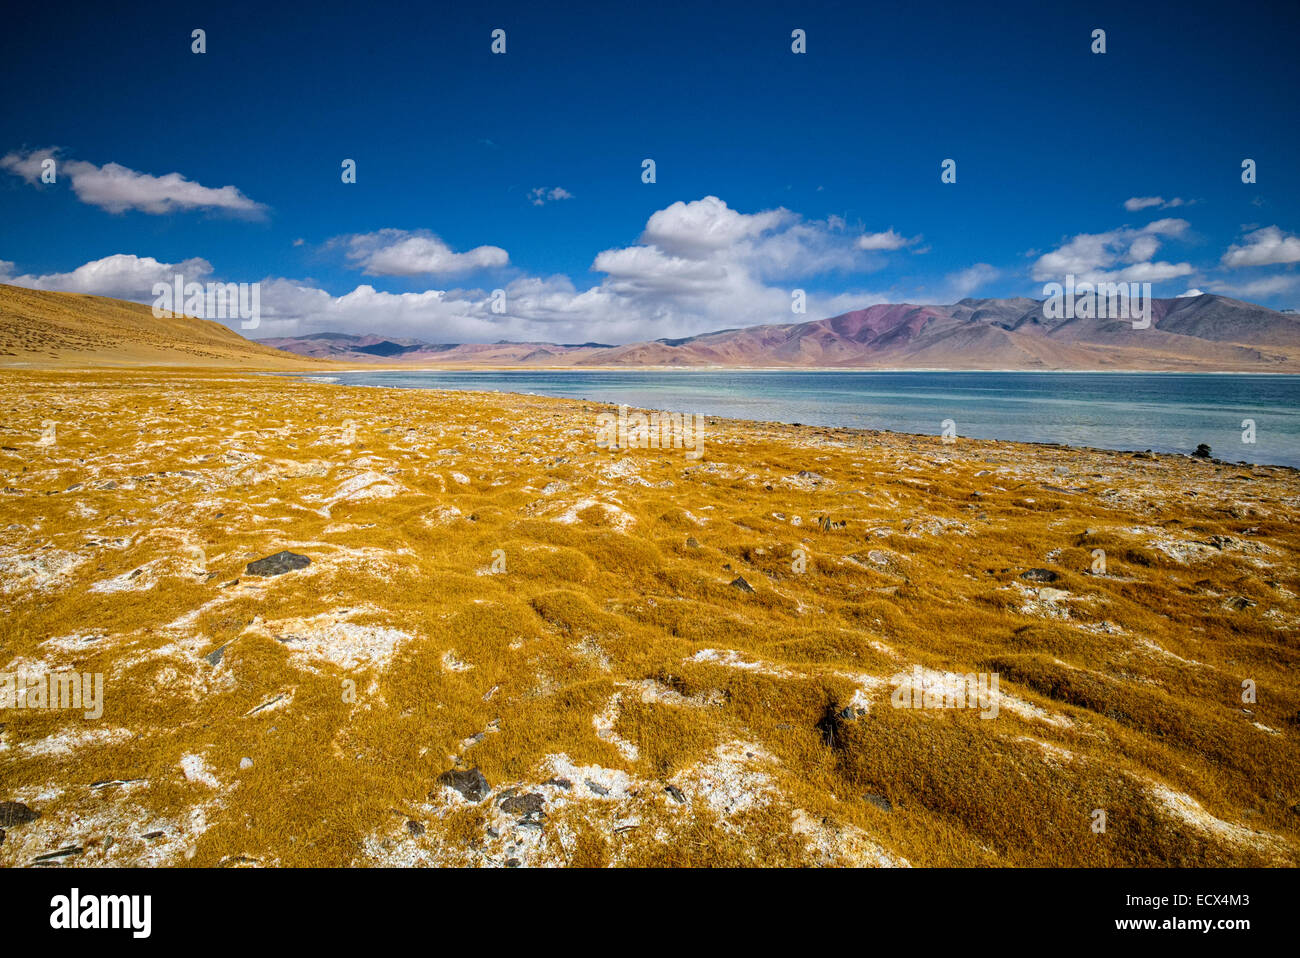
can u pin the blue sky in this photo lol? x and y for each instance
(775, 171)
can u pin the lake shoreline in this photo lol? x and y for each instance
(1287, 458)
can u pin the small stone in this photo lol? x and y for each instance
(414, 827)
(882, 803)
(676, 794)
(692, 542)
(563, 783)
(470, 783)
(598, 789)
(740, 583)
(1040, 575)
(214, 658)
(278, 564)
(245, 762)
(1202, 451)
(16, 813)
(529, 804)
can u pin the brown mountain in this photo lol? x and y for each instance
(1206, 332)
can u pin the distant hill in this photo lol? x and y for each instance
(387, 351)
(40, 329)
(1206, 332)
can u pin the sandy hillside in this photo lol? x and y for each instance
(44, 330)
(511, 647)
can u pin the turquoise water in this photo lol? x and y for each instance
(1164, 412)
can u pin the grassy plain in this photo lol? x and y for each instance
(489, 590)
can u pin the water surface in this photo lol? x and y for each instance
(1164, 412)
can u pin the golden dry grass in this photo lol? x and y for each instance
(614, 655)
(48, 330)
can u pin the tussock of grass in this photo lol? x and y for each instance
(694, 723)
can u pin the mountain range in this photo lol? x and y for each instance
(1204, 332)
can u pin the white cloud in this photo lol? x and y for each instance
(1120, 255)
(1263, 247)
(540, 195)
(1135, 203)
(1190, 293)
(961, 284)
(1261, 288)
(888, 240)
(117, 188)
(392, 252)
(705, 226)
(122, 276)
(697, 267)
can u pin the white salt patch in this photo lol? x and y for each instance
(197, 770)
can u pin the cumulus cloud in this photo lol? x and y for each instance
(540, 195)
(392, 252)
(702, 227)
(1119, 255)
(117, 188)
(1135, 203)
(696, 267)
(122, 276)
(1263, 247)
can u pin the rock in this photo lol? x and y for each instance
(676, 794)
(470, 783)
(1238, 603)
(1040, 575)
(214, 658)
(827, 524)
(529, 804)
(595, 787)
(692, 543)
(882, 803)
(414, 827)
(16, 813)
(740, 583)
(1202, 451)
(61, 853)
(245, 762)
(563, 783)
(278, 564)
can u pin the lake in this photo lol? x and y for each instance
(1164, 412)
